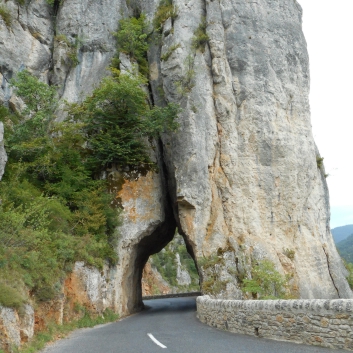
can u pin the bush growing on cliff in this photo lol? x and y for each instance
(165, 10)
(53, 209)
(5, 15)
(132, 40)
(265, 282)
(118, 121)
(53, 212)
(200, 37)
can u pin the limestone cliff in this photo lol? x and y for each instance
(240, 177)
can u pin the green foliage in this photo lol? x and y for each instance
(349, 267)
(132, 40)
(212, 283)
(72, 48)
(10, 297)
(319, 161)
(265, 282)
(5, 15)
(165, 10)
(116, 119)
(186, 84)
(200, 38)
(290, 253)
(52, 212)
(169, 52)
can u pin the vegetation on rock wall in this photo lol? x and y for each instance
(266, 282)
(165, 10)
(54, 211)
(116, 119)
(5, 15)
(132, 40)
(200, 36)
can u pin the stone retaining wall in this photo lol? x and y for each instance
(327, 323)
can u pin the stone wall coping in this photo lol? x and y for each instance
(293, 305)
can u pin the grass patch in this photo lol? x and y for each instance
(290, 253)
(165, 10)
(5, 15)
(169, 52)
(72, 48)
(319, 161)
(200, 38)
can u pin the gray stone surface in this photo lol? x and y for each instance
(243, 163)
(326, 323)
(240, 174)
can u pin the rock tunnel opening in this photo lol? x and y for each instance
(155, 237)
(161, 246)
(170, 271)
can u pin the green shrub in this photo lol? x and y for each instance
(132, 40)
(5, 15)
(116, 118)
(169, 52)
(53, 211)
(290, 253)
(72, 48)
(319, 161)
(200, 38)
(164, 11)
(265, 282)
(212, 282)
(186, 84)
(10, 297)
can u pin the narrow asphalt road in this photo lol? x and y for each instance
(169, 325)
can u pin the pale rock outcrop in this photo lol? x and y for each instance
(243, 162)
(14, 328)
(183, 278)
(240, 176)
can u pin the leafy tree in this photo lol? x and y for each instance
(265, 282)
(118, 120)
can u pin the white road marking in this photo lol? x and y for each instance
(156, 341)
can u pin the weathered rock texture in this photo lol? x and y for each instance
(326, 323)
(153, 283)
(240, 176)
(3, 155)
(15, 328)
(84, 288)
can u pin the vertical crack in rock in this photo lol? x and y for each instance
(329, 269)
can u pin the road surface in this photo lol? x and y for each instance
(169, 325)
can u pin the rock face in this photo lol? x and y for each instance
(3, 156)
(240, 177)
(183, 278)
